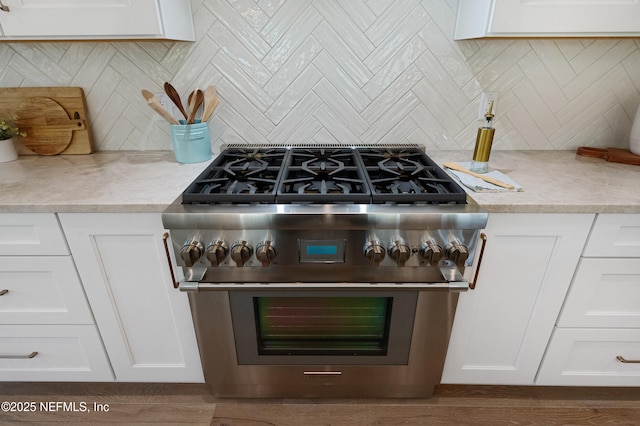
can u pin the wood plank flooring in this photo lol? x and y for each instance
(166, 404)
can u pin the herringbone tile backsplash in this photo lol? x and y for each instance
(347, 71)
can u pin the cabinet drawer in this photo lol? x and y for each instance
(614, 235)
(32, 234)
(41, 290)
(64, 353)
(587, 357)
(604, 293)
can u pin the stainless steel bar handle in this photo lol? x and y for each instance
(627, 361)
(457, 286)
(29, 356)
(323, 373)
(3, 7)
(3, 292)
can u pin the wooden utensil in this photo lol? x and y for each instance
(614, 155)
(212, 108)
(154, 104)
(493, 181)
(210, 102)
(48, 127)
(195, 100)
(175, 98)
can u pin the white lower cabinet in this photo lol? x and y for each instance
(145, 323)
(47, 332)
(597, 338)
(55, 353)
(502, 328)
(589, 357)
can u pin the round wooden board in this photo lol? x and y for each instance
(47, 125)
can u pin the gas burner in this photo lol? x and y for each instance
(326, 167)
(307, 186)
(246, 167)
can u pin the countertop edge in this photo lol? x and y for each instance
(149, 181)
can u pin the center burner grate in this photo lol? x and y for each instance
(323, 176)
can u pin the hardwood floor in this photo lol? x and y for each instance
(78, 403)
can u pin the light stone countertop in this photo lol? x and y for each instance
(148, 181)
(557, 182)
(122, 182)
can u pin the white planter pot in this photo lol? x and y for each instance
(7, 151)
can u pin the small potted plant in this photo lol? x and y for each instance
(8, 130)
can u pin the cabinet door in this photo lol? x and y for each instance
(565, 17)
(31, 234)
(549, 18)
(145, 323)
(589, 357)
(57, 19)
(604, 293)
(614, 235)
(501, 328)
(60, 353)
(41, 290)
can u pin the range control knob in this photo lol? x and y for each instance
(241, 252)
(431, 252)
(374, 252)
(265, 252)
(191, 252)
(217, 252)
(400, 252)
(458, 253)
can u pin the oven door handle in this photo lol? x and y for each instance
(195, 286)
(453, 282)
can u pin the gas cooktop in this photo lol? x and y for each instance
(323, 175)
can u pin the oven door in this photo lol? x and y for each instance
(322, 327)
(323, 343)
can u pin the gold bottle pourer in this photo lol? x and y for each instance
(484, 140)
(489, 115)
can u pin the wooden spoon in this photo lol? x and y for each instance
(154, 104)
(175, 97)
(210, 102)
(491, 180)
(195, 100)
(212, 107)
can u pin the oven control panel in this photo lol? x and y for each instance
(377, 249)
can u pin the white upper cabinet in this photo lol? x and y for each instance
(547, 18)
(97, 19)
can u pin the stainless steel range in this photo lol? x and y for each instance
(323, 271)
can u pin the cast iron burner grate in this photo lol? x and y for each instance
(238, 176)
(323, 175)
(408, 176)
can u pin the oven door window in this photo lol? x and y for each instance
(321, 328)
(322, 325)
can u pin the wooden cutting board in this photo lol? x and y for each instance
(54, 118)
(614, 155)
